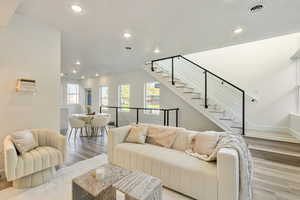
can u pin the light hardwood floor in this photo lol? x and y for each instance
(272, 180)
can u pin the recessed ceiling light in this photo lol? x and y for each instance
(62, 74)
(76, 8)
(238, 30)
(74, 71)
(96, 74)
(78, 62)
(127, 35)
(82, 77)
(156, 50)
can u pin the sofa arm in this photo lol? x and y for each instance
(116, 136)
(228, 174)
(10, 159)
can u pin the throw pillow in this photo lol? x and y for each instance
(164, 137)
(137, 134)
(24, 141)
(204, 143)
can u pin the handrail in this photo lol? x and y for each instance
(166, 58)
(165, 110)
(206, 83)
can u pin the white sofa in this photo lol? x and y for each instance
(176, 169)
(37, 166)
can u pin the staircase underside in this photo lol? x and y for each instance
(194, 98)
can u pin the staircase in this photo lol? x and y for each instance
(219, 100)
(275, 147)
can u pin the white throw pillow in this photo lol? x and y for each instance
(137, 134)
(204, 143)
(24, 141)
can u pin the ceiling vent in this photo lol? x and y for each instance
(256, 8)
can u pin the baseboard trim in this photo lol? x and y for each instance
(268, 129)
(294, 133)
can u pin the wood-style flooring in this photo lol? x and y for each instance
(272, 180)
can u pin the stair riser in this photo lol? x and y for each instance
(276, 157)
(295, 147)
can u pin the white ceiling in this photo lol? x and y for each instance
(174, 26)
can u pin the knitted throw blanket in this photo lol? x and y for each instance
(228, 140)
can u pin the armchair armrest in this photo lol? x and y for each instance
(228, 174)
(60, 144)
(116, 136)
(10, 159)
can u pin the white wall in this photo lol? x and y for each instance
(188, 117)
(29, 50)
(262, 68)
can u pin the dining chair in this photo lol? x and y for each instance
(99, 123)
(76, 124)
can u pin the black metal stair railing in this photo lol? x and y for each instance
(206, 72)
(166, 113)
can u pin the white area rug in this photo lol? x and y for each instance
(60, 188)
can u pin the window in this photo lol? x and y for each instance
(72, 93)
(124, 96)
(152, 97)
(103, 95)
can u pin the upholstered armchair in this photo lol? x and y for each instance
(37, 166)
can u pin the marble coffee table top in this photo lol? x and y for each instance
(95, 186)
(138, 185)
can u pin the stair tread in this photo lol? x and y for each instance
(192, 92)
(227, 119)
(237, 127)
(275, 136)
(273, 150)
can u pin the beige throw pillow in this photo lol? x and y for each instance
(205, 143)
(24, 141)
(164, 137)
(137, 134)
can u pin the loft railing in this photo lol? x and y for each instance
(166, 113)
(205, 83)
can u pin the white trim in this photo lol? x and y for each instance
(294, 133)
(266, 128)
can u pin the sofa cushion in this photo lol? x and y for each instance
(205, 143)
(183, 139)
(24, 141)
(38, 159)
(137, 134)
(161, 136)
(176, 169)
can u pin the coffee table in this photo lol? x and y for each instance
(135, 185)
(88, 187)
(140, 186)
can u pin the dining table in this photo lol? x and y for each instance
(87, 118)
